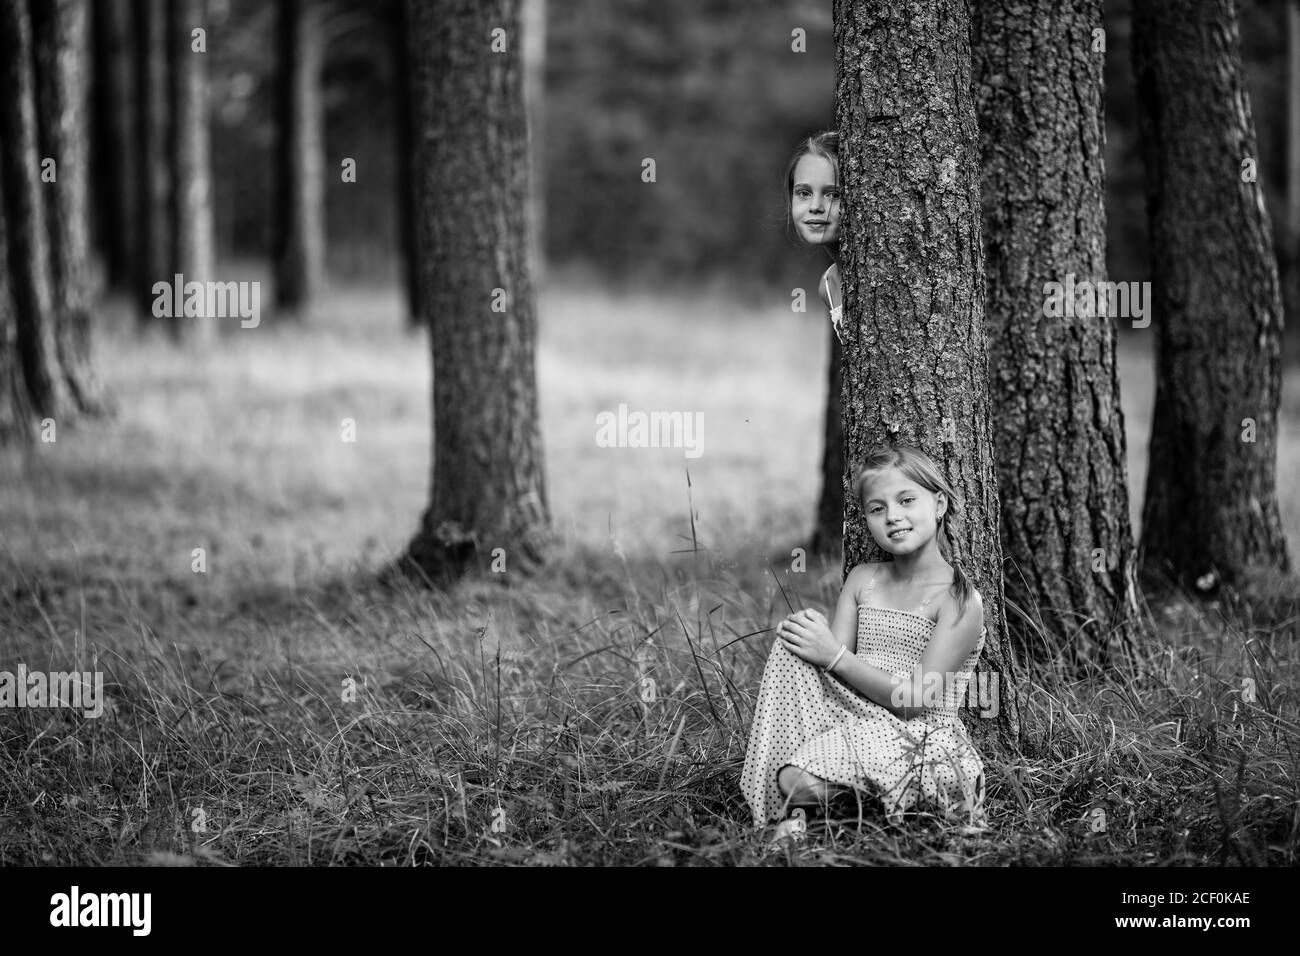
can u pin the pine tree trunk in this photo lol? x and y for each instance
(116, 171)
(828, 528)
(912, 272)
(193, 233)
(61, 43)
(300, 246)
(1211, 510)
(29, 252)
(1070, 558)
(471, 199)
(154, 261)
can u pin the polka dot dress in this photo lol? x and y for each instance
(821, 725)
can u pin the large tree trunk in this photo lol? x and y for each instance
(1211, 510)
(116, 168)
(193, 233)
(300, 243)
(916, 364)
(1071, 563)
(60, 36)
(29, 253)
(471, 197)
(828, 526)
(154, 261)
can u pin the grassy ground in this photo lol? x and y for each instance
(503, 721)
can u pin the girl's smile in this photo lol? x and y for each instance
(902, 516)
(815, 201)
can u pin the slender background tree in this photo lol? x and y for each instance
(116, 177)
(28, 235)
(193, 230)
(1211, 512)
(471, 199)
(61, 43)
(533, 15)
(828, 523)
(16, 415)
(404, 127)
(300, 158)
(154, 257)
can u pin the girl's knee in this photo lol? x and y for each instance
(799, 786)
(788, 778)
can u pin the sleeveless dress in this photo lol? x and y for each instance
(821, 725)
(837, 311)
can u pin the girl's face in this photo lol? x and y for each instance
(903, 517)
(815, 200)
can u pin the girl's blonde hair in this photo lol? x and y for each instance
(825, 144)
(919, 467)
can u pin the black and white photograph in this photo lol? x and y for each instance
(650, 434)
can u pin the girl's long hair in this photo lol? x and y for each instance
(825, 144)
(920, 468)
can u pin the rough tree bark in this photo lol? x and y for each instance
(471, 199)
(828, 525)
(1071, 562)
(912, 270)
(300, 158)
(28, 254)
(193, 236)
(61, 44)
(1211, 511)
(153, 134)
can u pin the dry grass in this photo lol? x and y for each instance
(519, 700)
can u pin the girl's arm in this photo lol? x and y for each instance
(845, 625)
(955, 636)
(809, 636)
(825, 292)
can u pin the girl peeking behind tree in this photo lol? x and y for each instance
(813, 185)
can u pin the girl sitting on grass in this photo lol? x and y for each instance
(813, 189)
(867, 706)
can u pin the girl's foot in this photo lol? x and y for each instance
(794, 829)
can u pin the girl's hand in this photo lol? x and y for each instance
(807, 635)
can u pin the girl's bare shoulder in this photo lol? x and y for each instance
(949, 608)
(860, 574)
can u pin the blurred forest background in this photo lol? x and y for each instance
(711, 84)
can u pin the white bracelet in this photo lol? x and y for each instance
(835, 660)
